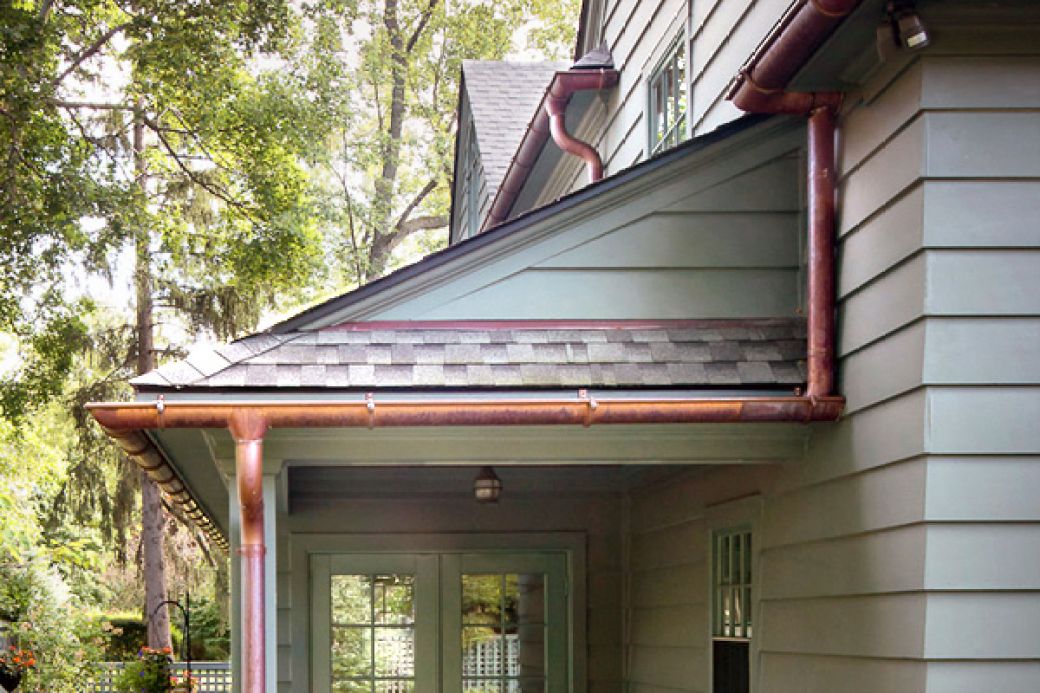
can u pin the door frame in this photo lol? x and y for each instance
(294, 599)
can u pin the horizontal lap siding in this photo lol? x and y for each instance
(982, 350)
(718, 241)
(667, 600)
(907, 541)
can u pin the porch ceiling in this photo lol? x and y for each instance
(205, 457)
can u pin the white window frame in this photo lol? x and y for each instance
(675, 132)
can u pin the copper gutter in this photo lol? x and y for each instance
(138, 446)
(759, 88)
(548, 119)
(371, 412)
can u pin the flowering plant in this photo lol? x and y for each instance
(185, 684)
(15, 662)
(149, 673)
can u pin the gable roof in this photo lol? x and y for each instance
(502, 98)
(502, 355)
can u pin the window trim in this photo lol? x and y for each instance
(743, 514)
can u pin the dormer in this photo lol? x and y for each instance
(497, 100)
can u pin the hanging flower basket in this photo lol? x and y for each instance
(13, 665)
(9, 681)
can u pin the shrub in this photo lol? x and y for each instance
(149, 673)
(48, 621)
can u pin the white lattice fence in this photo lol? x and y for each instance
(212, 677)
(482, 658)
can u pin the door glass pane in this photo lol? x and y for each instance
(393, 599)
(395, 652)
(525, 597)
(395, 686)
(504, 643)
(530, 659)
(351, 599)
(481, 599)
(373, 633)
(351, 652)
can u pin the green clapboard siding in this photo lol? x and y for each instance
(708, 236)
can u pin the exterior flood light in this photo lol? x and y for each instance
(487, 487)
(907, 28)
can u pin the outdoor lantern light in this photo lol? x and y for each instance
(907, 26)
(487, 486)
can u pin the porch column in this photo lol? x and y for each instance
(247, 429)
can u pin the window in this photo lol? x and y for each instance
(731, 610)
(668, 100)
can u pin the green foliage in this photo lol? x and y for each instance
(210, 633)
(148, 673)
(49, 621)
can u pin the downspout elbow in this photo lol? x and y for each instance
(564, 85)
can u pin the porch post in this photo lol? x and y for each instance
(247, 429)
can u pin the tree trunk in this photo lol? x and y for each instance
(156, 613)
(386, 184)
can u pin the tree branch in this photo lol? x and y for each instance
(91, 50)
(45, 9)
(90, 105)
(435, 221)
(192, 175)
(416, 201)
(424, 19)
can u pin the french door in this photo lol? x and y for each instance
(439, 623)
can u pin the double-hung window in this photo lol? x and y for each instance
(668, 101)
(731, 610)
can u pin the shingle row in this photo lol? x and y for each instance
(708, 354)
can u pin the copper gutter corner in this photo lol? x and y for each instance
(593, 72)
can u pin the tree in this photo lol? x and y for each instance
(195, 158)
(201, 139)
(390, 165)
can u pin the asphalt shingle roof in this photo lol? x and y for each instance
(496, 355)
(503, 97)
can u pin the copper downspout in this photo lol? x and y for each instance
(550, 119)
(247, 428)
(760, 89)
(563, 87)
(820, 339)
